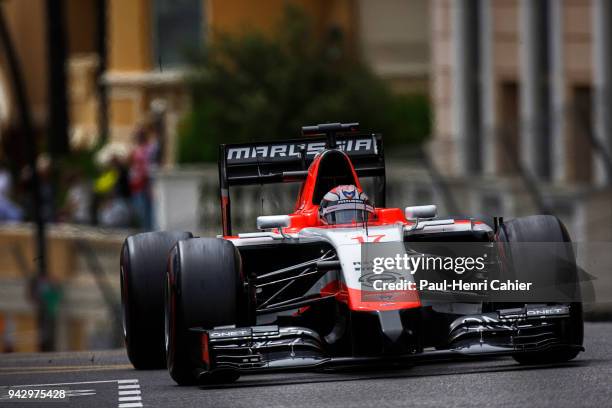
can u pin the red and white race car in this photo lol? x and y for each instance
(302, 292)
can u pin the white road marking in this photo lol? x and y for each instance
(68, 383)
(129, 392)
(133, 380)
(123, 399)
(80, 393)
(69, 393)
(129, 386)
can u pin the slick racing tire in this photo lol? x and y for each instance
(547, 228)
(142, 274)
(205, 289)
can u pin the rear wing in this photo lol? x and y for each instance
(288, 160)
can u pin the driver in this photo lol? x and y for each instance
(345, 205)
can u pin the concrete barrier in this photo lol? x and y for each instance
(79, 259)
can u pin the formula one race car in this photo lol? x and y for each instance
(296, 295)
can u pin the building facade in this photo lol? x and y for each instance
(523, 78)
(126, 59)
(521, 94)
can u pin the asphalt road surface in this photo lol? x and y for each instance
(105, 379)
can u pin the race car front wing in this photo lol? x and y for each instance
(273, 348)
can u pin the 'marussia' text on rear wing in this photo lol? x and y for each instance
(288, 160)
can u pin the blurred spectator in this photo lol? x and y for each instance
(157, 126)
(111, 187)
(9, 211)
(140, 175)
(114, 212)
(77, 208)
(47, 205)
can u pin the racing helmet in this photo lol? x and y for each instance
(345, 204)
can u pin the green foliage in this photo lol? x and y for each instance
(410, 118)
(81, 162)
(259, 87)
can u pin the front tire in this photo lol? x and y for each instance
(142, 273)
(204, 288)
(547, 228)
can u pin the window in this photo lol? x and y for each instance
(508, 134)
(177, 31)
(579, 154)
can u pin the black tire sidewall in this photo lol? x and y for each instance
(142, 273)
(547, 228)
(205, 288)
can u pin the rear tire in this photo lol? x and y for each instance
(142, 272)
(546, 228)
(204, 288)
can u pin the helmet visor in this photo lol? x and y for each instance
(345, 217)
(347, 213)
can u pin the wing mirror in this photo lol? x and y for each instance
(273, 221)
(421, 212)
